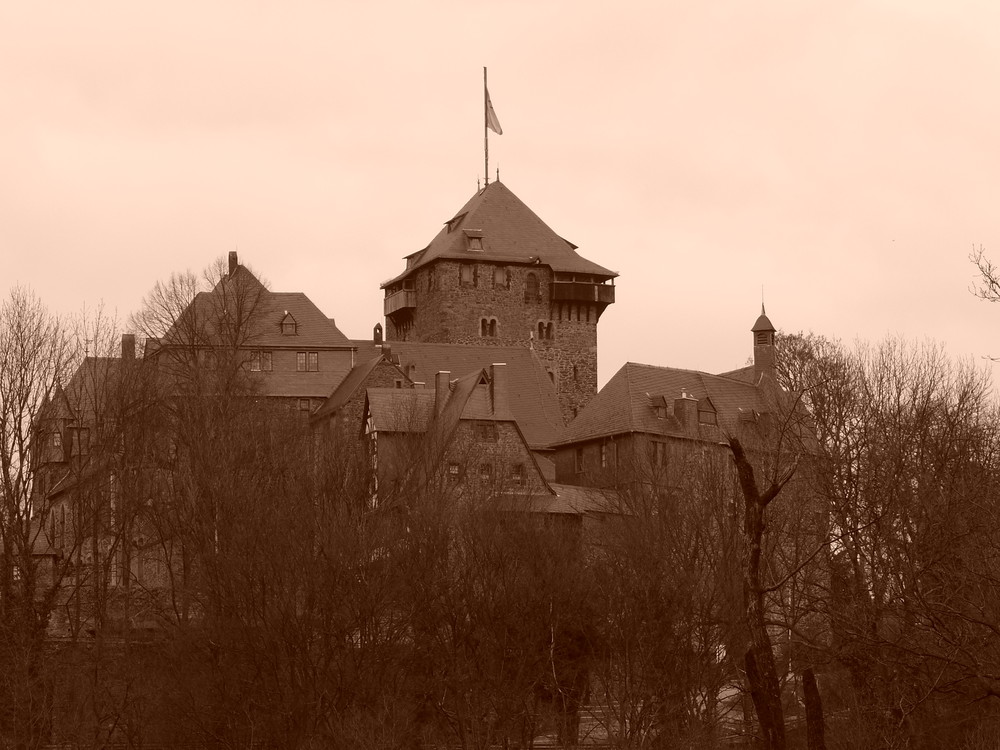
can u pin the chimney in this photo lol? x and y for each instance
(686, 410)
(234, 262)
(441, 390)
(377, 334)
(128, 346)
(499, 384)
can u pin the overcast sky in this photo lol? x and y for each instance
(843, 155)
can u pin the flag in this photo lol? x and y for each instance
(491, 117)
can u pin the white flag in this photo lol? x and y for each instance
(491, 117)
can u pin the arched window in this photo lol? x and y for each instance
(548, 330)
(552, 377)
(493, 327)
(483, 326)
(576, 374)
(531, 293)
(541, 330)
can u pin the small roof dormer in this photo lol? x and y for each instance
(289, 326)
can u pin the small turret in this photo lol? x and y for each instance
(763, 345)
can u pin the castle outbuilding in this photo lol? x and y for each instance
(497, 275)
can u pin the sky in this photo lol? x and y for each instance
(841, 157)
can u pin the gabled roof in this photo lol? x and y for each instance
(510, 231)
(349, 386)
(624, 404)
(240, 295)
(531, 395)
(415, 410)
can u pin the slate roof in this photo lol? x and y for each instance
(746, 374)
(348, 386)
(625, 404)
(400, 409)
(531, 395)
(571, 499)
(763, 323)
(313, 329)
(510, 232)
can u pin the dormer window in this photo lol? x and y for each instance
(706, 412)
(474, 238)
(288, 325)
(659, 404)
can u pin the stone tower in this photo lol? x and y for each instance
(496, 275)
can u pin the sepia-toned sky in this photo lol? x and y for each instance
(845, 156)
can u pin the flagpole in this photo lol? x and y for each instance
(486, 131)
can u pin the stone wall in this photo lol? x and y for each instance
(452, 306)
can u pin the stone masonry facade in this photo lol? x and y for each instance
(504, 304)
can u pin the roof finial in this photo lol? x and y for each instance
(762, 300)
(498, 173)
(477, 185)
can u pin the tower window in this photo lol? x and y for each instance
(500, 278)
(544, 329)
(763, 338)
(466, 275)
(531, 293)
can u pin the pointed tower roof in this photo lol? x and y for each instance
(508, 231)
(763, 323)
